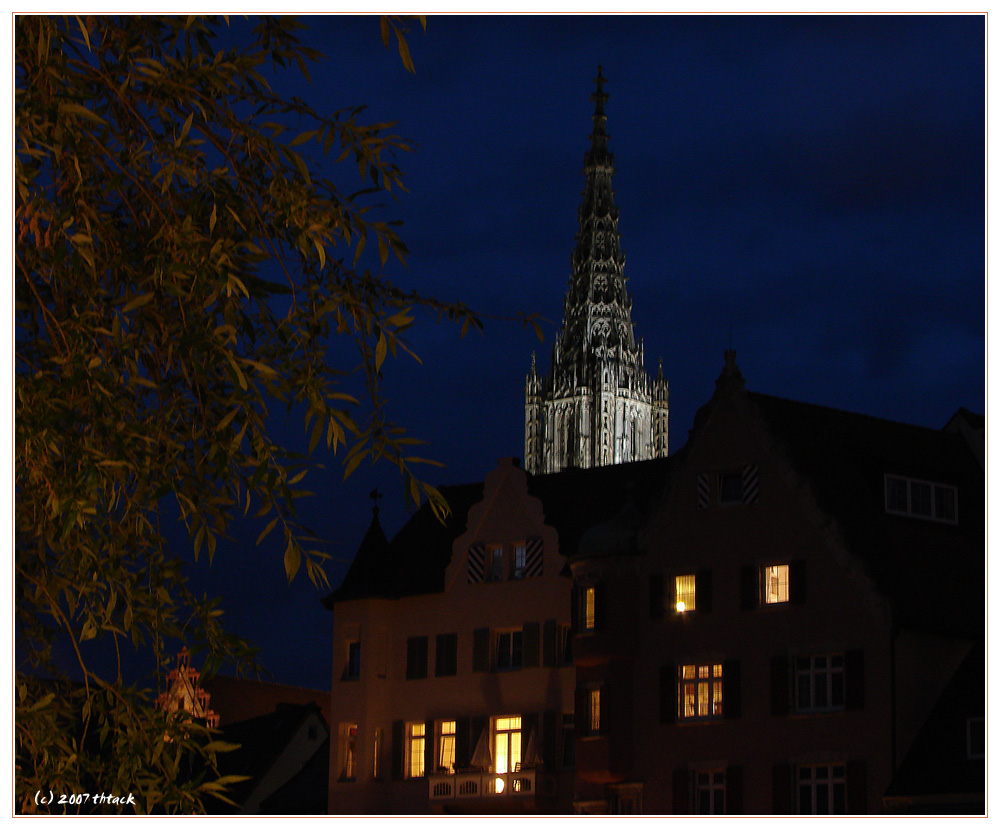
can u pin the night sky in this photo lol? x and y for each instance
(810, 190)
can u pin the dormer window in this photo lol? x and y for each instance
(921, 499)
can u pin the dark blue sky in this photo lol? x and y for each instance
(811, 187)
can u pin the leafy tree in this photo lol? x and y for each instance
(182, 268)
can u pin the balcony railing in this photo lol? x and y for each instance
(481, 784)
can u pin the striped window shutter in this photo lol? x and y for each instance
(533, 557)
(477, 558)
(703, 489)
(751, 483)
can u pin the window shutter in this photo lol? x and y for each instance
(734, 790)
(656, 596)
(581, 710)
(600, 606)
(549, 632)
(398, 736)
(703, 591)
(550, 725)
(781, 790)
(857, 802)
(797, 581)
(529, 654)
(749, 590)
(481, 649)
(463, 749)
(682, 791)
(668, 693)
(780, 684)
(476, 562)
(854, 679)
(750, 483)
(703, 490)
(430, 739)
(574, 609)
(731, 703)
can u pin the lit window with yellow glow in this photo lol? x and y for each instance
(589, 608)
(684, 593)
(415, 750)
(775, 584)
(507, 743)
(595, 710)
(446, 746)
(700, 690)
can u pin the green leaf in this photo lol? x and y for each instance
(137, 302)
(380, 351)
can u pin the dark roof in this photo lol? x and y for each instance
(304, 794)
(415, 560)
(262, 739)
(933, 572)
(937, 767)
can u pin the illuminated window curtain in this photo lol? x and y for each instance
(684, 593)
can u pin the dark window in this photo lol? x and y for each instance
(510, 649)
(819, 683)
(822, 789)
(353, 671)
(710, 792)
(924, 499)
(416, 658)
(520, 561)
(731, 488)
(446, 655)
(568, 740)
(495, 572)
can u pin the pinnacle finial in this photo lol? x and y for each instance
(375, 495)
(598, 138)
(600, 96)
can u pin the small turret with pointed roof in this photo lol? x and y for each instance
(595, 405)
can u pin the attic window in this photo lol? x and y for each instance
(921, 499)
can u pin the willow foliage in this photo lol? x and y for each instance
(183, 263)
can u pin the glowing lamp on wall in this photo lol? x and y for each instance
(681, 607)
(498, 785)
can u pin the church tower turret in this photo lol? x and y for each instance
(596, 405)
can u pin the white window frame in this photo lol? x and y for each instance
(416, 742)
(685, 593)
(714, 788)
(820, 678)
(446, 737)
(705, 680)
(520, 563)
(775, 592)
(349, 758)
(507, 743)
(503, 654)
(937, 489)
(822, 776)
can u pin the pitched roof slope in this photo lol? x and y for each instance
(415, 559)
(932, 571)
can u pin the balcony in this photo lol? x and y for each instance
(481, 785)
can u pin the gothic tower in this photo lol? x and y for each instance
(596, 405)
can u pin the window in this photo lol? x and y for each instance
(594, 711)
(625, 799)
(353, 670)
(416, 658)
(564, 646)
(446, 746)
(446, 655)
(923, 499)
(520, 561)
(684, 593)
(495, 572)
(509, 650)
(774, 584)
(821, 789)
(349, 736)
(506, 743)
(819, 683)
(589, 608)
(415, 745)
(700, 691)
(710, 792)
(569, 740)
(730, 488)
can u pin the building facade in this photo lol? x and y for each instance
(596, 405)
(782, 617)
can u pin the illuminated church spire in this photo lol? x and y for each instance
(596, 405)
